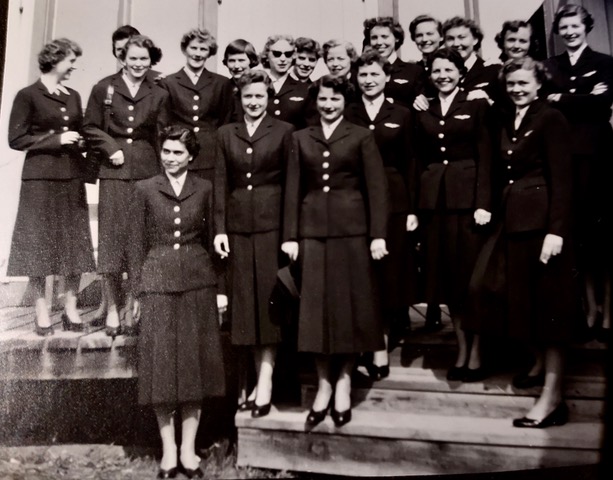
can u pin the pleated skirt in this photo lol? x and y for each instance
(179, 348)
(52, 234)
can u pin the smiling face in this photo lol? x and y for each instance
(517, 44)
(237, 63)
(64, 68)
(254, 99)
(573, 32)
(330, 104)
(462, 40)
(175, 157)
(280, 57)
(137, 63)
(522, 87)
(444, 75)
(196, 53)
(305, 64)
(383, 41)
(338, 61)
(427, 37)
(372, 80)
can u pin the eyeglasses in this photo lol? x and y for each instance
(278, 53)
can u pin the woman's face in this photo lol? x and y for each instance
(254, 99)
(517, 44)
(427, 37)
(280, 57)
(372, 80)
(175, 157)
(237, 63)
(383, 41)
(444, 75)
(305, 64)
(196, 53)
(338, 61)
(137, 62)
(330, 104)
(522, 87)
(462, 40)
(65, 67)
(573, 32)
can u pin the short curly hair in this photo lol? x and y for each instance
(538, 68)
(142, 41)
(56, 51)
(349, 48)
(424, 19)
(371, 56)
(337, 84)
(255, 76)
(308, 45)
(386, 22)
(238, 46)
(514, 26)
(270, 41)
(182, 134)
(571, 10)
(447, 53)
(475, 30)
(200, 34)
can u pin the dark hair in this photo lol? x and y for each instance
(450, 54)
(571, 10)
(199, 34)
(337, 84)
(514, 26)
(387, 22)
(526, 63)
(424, 19)
(308, 45)
(238, 46)
(371, 56)
(182, 134)
(255, 76)
(270, 41)
(465, 22)
(349, 48)
(144, 42)
(56, 51)
(123, 32)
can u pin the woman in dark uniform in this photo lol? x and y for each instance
(179, 348)
(392, 126)
(249, 174)
(581, 88)
(121, 122)
(51, 234)
(523, 283)
(239, 57)
(516, 39)
(453, 150)
(308, 52)
(335, 219)
(199, 99)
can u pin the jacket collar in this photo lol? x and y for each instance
(264, 128)
(205, 79)
(457, 102)
(189, 187)
(121, 88)
(343, 129)
(58, 98)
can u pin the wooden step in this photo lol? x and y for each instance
(402, 443)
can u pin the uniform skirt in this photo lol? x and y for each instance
(51, 234)
(339, 304)
(253, 274)
(179, 348)
(114, 224)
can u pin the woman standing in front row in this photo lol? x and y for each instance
(171, 273)
(249, 174)
(523, 283)
(51, 235)
(335, 220)
(121, 122)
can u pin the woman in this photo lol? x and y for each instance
(239, 57)
(517, 40)
(453, 149)
(308, 52)
(523, 281)
(392, 126)
(123, 115)
(51, 234)
(179, 347)
(335, 206)
(250, 169)
(199, 99)
(427, 33)
(582, 89)
(386, 36)
(339, 56)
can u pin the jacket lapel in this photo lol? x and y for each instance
(184, 81)
(240, 130)
(164, 186)
(144, 90)
(189, 187)
(384, 112)
(456, 103)
(206, 78)
(45, 93)
(120, 86)
(341, 131)
(263, 129)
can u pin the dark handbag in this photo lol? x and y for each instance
(94, 158)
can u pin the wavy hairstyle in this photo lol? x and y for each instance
(238, 46)
(181, 134)
(270, 41)
(56, 51)
(141, 41)
(202, 35)
(386, 22)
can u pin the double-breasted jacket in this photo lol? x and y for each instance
(292, 103)
(37, 121)
(134, 123)
(250, 175)
(335, 187)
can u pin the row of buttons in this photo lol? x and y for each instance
(177, 209)
(326, 165)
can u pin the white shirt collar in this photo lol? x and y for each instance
(373, 107)
(329, 128)
(193, 76)
(132, 87)
(574, 56)
(470, 61)
(520, 113)
(253, 126)
(177, 182)
(278, 82)
(446, 102)
(393, 57)
(52, 87)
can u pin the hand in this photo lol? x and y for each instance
(412, 223)
(222, 303)
(554, 97)
(421, 103)
(482, 217)
(117, 158)
(222, 245)
(68, 138)
(291, 249)
(161, 76)
(552, 246)
(599, 89)
(378, 249)
(477, 94)
(135, 310)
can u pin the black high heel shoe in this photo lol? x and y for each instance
(315, 417)
(455, 374)
(246, 405)
(171, 473)
(193, 472)
(472, 375)
(260, 410)
(559, 416)
(376, 372)
(341, 418)
(69, 326)
(112, 331)
(43, 331)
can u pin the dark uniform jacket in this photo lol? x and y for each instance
(250, 175)
(203, 108)
(37, 121)
(292, 104)
(170, 236)
(133, 127)
(482, 77)
(405, 82)
(535, 170)
(454, 153)
(335, 187)
(392, 128)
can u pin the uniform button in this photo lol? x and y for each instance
(508, 167)
(130, 107)
(443, 149)
(371, 126)
(129, 140)
(277, 112)
(196, 97)
(276, 101)
(176, 246)
(572, 90)
(196, 129)
(325, 176)
(326, 189)
(177, 208)
(325, 165)
(248, 175)
(442, 122)
(195, 107)
(177, 233)
(177, 221)
(249, 150)
(64, 129)
(326, 154)
(249, 187)
(195, 118)
(445, 162)
(441, 135)
(66, 117)
(514, 139)
(509, 152)
(51, 131)
(130, 119)
(573, 78)
(510, 182)
(130, 130)
(63, 109)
